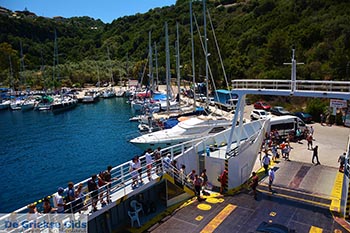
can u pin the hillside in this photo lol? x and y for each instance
(255, 39)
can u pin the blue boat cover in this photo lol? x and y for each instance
(170, 123)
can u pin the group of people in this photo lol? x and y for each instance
(101, 190)
(151, 159)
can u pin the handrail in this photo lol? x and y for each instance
(301, 85)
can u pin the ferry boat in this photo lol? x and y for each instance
(130, 201)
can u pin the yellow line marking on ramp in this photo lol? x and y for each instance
(314, 229)
(296, 198)
(336, 192)
(215, 222)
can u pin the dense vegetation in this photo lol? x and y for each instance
(255, 38)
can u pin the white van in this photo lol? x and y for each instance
(286, 125)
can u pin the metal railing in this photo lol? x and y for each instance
(119, 186)
(301, 85)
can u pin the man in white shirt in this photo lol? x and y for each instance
(59, 200)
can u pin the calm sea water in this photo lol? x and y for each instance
(40, 151)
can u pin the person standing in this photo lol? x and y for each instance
(266, 162)
(341, 160)
(315, 155)
(309, 141)
(312, 131)
(157, 155)
(223, 181)
(254, 184)
(271, 178)
(322, 118)
(149, 162)
(59, 200)
(93, 190)
(70, 198)
(197, 182)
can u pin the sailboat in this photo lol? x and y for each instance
(57, 103)
(15, 103)
(28, 102)
(109, 92)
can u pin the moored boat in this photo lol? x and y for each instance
(187, 130)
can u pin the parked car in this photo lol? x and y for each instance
(262, 105)
(306, 117)
(257, 114)
(279, 111)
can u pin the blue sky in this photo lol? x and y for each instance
(106, 10)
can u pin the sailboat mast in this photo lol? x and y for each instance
(110, 69)
(156, 57)
(150, 64)
(178, 61)
(193, 64)
(55, 74)
(206, 51)
(11, 75)
(167, 57)
(21, 71)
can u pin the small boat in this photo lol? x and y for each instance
(64, 103)
(120, 93)
(44, 104)
(28, 104)
(16, 104)
(5, 104)
(108, 93)
(90, 97)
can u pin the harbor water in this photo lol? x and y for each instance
(41, 151)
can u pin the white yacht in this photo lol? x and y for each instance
(186, 130)
(91, 97)
(5, 104)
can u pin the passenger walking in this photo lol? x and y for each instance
(204, 177)
(309, 141)
(312, 131)
(266, 162)
(341, 160)
(197, 182)
(223, 181)
(254, 184)
(182, 174)
(271, 178)
(287, 150)
(274, 152)
(191, 176)
(315, 155)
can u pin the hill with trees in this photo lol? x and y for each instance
(255, 39)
